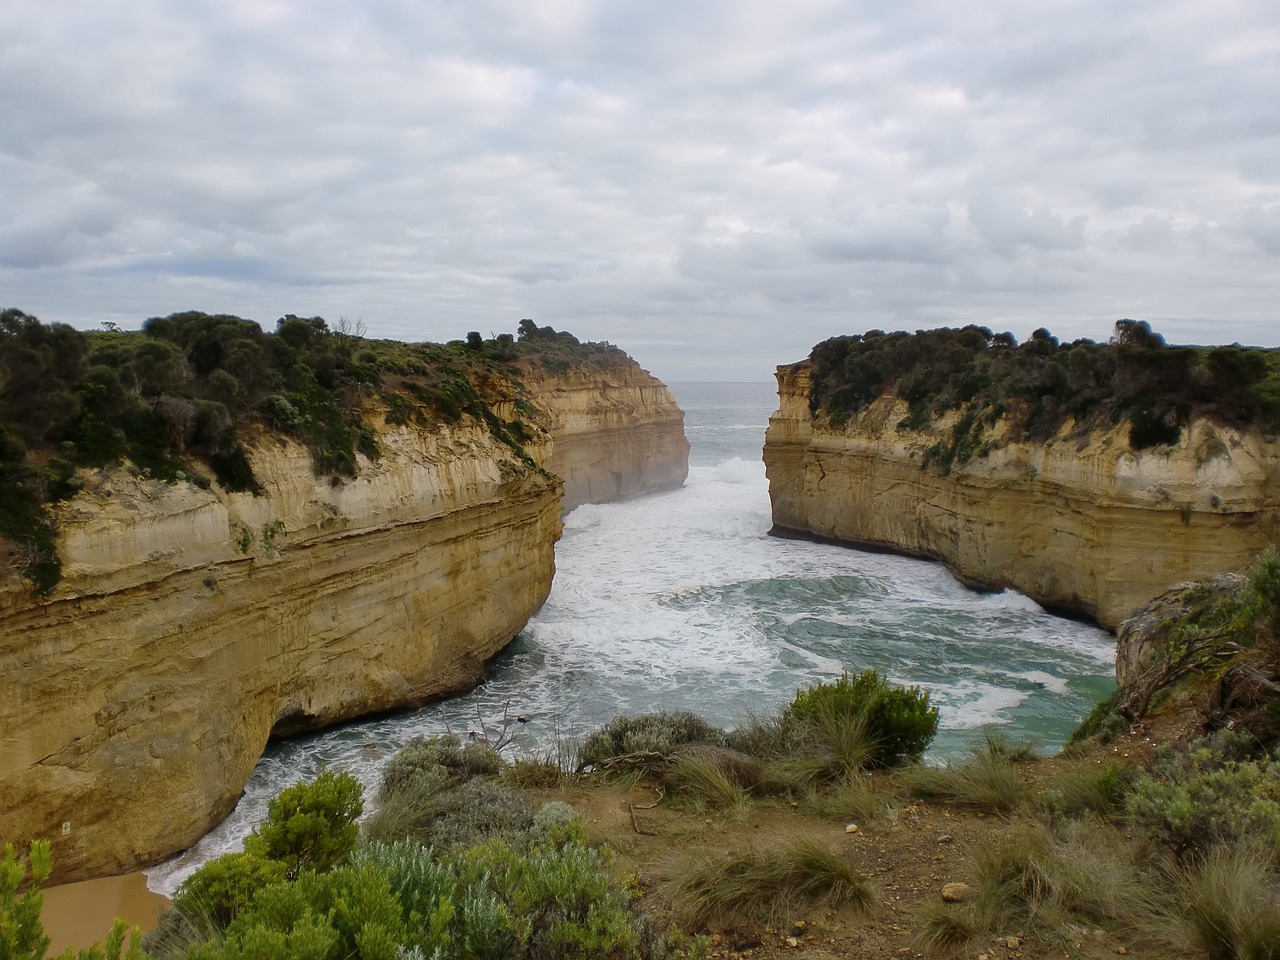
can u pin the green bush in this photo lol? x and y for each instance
(557, 900)
(310, 826)
(443, 758)
(898, 724)
(225, 886)
(1192, 801)
(661, 733)
(349, 912)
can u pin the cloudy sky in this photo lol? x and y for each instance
(714, 185)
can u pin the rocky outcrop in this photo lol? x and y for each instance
(192, 624)
(1080, 523)
(614, 432)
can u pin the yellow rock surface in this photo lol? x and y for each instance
(192, 624)
(615, 433)
(1080, 524)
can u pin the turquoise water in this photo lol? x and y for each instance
(681, 600)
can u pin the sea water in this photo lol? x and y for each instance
(682, 601)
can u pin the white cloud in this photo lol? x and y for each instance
(715, 186)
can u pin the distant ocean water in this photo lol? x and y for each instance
(681, 600)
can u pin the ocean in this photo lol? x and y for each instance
(682, 601)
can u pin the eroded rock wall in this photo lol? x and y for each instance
(615, 433)
(190, 624)
(1082, 524)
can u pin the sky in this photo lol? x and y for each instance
(713, 185)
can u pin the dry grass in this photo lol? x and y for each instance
(854, 798)
(723, 889)
(987, 781)
(1041, 879)
(1227, 906)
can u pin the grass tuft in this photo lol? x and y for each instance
(752, 884)
(987, 781)
(853, 798)
(1228, 906)
(944, 928)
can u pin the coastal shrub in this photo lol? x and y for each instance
(310, 826)
(440, 758)
(223, 887)
(864, 713)
(446, 806)
(349, 911)
(761, 884)
(555, 900)
(660, 733)
(478, 811)
(1041, 386)
(1192, 801)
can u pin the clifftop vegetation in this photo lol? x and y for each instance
(1040, 385)
(178, 398)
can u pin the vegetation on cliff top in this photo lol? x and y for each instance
(1040, 385)
(178, 399)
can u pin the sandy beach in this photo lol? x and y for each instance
(77, 914)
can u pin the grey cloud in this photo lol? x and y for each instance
(742, 179)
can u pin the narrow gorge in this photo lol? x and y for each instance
(191, 623)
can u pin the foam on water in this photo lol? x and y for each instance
(682, 601)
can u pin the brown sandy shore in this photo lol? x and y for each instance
(77, 914)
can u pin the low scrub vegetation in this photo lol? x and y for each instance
(1038, 386)
(462, 858)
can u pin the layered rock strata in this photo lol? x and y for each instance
(190, 625)
(614, 433)
(1080, 523)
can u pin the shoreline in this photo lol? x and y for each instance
(78, 914)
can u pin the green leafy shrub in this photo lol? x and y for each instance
(348, 912)
(555, 900)
(897, 724)
(310, 826)
(226, 885)
(661, 733)
(1192, 801)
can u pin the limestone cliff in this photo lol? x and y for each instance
(614, 432)
(191, 624)
(1079, 523)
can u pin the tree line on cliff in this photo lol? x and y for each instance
(176, 400)
(1041, 384)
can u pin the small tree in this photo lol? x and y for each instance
(310, 826)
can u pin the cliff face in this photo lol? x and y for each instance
(192, 624)
(1081, 524)
(614, 433)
